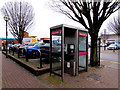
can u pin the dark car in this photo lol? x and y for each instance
(33, 51)
(56, 51)
(44, 49)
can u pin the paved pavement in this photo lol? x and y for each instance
(105, 76)
(14, 76)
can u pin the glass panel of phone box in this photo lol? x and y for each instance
(56, 52)
(82, 51)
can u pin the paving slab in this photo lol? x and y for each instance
(14, 76)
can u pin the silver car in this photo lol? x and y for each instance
(113, 47)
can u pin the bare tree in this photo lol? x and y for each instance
(21, 16)
(114, 24)
(91, 14)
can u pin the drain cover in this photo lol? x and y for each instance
(94, 76)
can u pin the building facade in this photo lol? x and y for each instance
(11, 40)
(110, 38)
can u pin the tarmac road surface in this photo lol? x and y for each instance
(110, 56)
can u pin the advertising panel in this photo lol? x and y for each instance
(56, 51)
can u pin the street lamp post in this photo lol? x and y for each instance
(6, 18)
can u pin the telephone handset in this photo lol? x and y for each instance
(65, 48)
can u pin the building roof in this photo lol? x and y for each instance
(109, 35)
(44, 38)
(7, 38)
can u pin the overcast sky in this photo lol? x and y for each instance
(44, 19)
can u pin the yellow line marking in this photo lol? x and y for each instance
(112, 62)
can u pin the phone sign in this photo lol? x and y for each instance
(82, 34)
(56, 32)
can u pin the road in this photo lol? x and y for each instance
(109, 55)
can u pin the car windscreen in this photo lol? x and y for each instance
(47, 44)
(39, 44)
(112, 45)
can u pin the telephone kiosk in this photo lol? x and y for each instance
(72, 49)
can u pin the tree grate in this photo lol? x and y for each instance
(94, 76)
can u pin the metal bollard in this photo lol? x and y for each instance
(26, 55)
(40, 58)
(13, 50)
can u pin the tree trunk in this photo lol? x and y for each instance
(20, 41)
(93, 57)
(21, 35)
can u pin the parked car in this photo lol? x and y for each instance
(45, 49)
(31, 49)
(35, 46)
(27, 45)
(108, 44)
(16, 46)
(10, 46)
(118, 45)
(23, 49)
(113, 47)
(24, 44)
